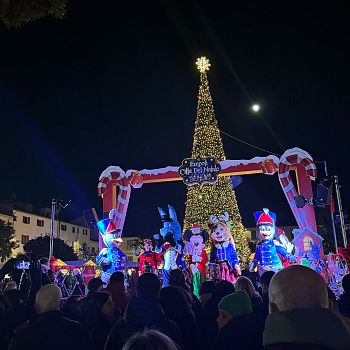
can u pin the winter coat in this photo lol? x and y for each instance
(245, 332)
(117, 290)
(344, 304)
(51, 331)
(141, 314)
(307, 328)
(98, 329)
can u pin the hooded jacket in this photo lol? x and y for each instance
(141, 314)
(313, 327)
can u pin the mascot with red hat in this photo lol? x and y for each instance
(111, 258)
(267, 254)
(149, 260)
(197, 257)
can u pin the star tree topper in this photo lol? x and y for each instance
(203, 64)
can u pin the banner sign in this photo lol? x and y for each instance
(199, 171)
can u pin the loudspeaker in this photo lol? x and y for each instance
(90, 217)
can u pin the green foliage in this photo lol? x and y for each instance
(41, 247)
(7, 240)
(85, 253)
(16, 13)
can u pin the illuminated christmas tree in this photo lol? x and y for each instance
(220, 197)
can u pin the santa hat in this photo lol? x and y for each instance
(107, 226)
(196, 229)
(265, 217)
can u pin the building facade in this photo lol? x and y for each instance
(29, 225)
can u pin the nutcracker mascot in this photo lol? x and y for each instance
(111, 258)
(223, 250)
(197, 257)
(149, 260)
(267, 254)
(169, 243)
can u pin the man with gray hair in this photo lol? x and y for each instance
(299, 314)
(50, 330)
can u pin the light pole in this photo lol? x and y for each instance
(340, 208)
(54, 208)
(53, 214)
(331, 208)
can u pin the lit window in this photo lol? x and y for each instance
(24, 239)
(306, 242)
(26, 219)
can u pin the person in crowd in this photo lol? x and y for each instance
(332, 300)
(177, 309)
(300, 317)
(262, 309)
(150, 340)
(344, 301)
(177, 279)
(143, 311)
(5, 331)
(10, 285)
(206, 291)
(95, 285)
(18, 313)
(45, 267)
(51, 330)
(70, 308)
(237, 324)
(117, 289)
(214, 273)
(244, 283)
(207, 319)
(99, 319)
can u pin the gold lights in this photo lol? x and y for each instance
(220, 197)
(202, 64)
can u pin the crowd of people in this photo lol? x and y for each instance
(292, 309)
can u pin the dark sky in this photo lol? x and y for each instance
(115, 83)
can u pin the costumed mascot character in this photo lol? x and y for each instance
(267, 251)
(282, 240)
(223, 250)
(111, 258)
(169, 243)
(315, 260)
(149, 260)
(197, 257)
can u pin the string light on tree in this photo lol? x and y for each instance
(203, 64)
(211, 199)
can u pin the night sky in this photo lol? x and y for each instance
(115, 83)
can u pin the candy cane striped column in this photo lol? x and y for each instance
(291, 159)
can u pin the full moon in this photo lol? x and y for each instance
(256, 108)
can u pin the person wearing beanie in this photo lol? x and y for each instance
(237, 324)
(233, 306)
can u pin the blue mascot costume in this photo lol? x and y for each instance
(169, 243)
(266, 254)
(110, 258)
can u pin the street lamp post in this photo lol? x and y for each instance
(53, 214)
(340, 208)
(56, 206)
